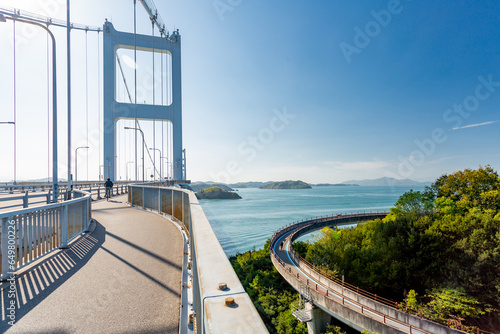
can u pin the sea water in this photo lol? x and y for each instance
(241, 225)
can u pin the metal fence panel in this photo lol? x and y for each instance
(178, 205)
(166, 201)
(151, 198)
(137, 196)
(186, 211)
(31, 233)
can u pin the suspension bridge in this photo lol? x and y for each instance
(144, 261)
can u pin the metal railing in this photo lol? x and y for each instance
(25, 195)
(11, 188)
(28, 234)
(321, 286)
(220, 302)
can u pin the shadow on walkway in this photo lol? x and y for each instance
(139, 248)
(38, 281)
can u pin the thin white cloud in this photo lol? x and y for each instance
(474, 125)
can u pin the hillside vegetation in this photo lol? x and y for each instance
(216, 193)
(271, 294)
(438, 251)
(197, 186)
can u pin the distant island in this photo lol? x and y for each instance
(197, 186)
(383, 181)
(216, 193)
(387, 181)
(335, 185)
(250, 184)
(286, 185)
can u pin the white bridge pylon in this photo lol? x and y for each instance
(114, 110)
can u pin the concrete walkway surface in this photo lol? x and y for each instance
(122, 277)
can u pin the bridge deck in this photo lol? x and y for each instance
(122, 277)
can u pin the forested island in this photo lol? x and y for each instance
(286, 185)
(437, 253)
(197, 186)
(216, 193)
(335, 185)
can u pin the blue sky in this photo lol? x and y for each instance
(317, 91)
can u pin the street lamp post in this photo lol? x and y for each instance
(76, 161)
(154, 167)
(68, 65)
(166, 169)
(143, 144)
(55, 184)
(126, 169)
(12, 123)
(169, 170)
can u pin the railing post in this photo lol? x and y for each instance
(5, 245)
(99, 192)
(64, 227)
(159, 200)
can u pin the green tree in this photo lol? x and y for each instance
(465, 187)
(411, 300)
(445, 303)
(413, 203)
(301, 247)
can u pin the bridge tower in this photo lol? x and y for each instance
(114, 110)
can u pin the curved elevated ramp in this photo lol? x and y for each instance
(326, 296)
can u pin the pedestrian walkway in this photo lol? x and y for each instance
(122, 277)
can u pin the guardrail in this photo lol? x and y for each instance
(323, 288)
(29, 234)
(32, 197)
(41, 186)
(220, 302)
